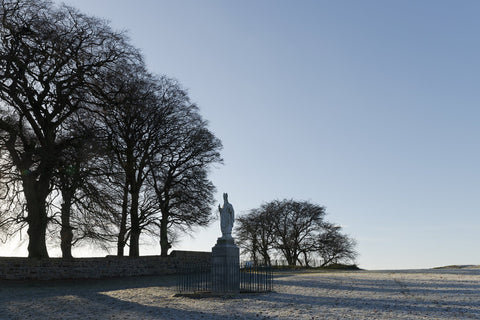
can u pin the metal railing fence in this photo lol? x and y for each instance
(256, 279)
(205, 278)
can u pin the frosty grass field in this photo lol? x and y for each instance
(449, 293)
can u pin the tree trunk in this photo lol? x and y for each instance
(254, 258)
(66, 233)
(305, 256)
(37, 225)
(164, 244)
(36, 193)
(266, 257)
(134, 242)
(326, 261)
(291, 260)
(254, 250)
(135, 228)
(123, 224)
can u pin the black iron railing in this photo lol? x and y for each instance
(205, 279)
(256, 279)
(194, 279)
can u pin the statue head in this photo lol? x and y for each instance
(225, 197)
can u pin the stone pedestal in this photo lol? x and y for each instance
(225, 266)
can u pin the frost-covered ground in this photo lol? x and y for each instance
(416, 294)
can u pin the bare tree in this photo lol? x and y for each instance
(246, 231)
(49, 57)
(134, 120)
(335, 247)
(293, 228)
(295, 222)
(255, 234)
(180, 170)
(82, 180)
(58, 66)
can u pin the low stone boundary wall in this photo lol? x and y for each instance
(12, 268)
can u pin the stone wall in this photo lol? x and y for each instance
(110, 266)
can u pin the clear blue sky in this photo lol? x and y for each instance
(370, 108)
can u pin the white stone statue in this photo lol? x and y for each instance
(227, 216)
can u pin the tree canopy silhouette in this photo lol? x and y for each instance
(49, 58)
(295, 230)
(84, 124)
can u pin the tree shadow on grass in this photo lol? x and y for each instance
(92, 299)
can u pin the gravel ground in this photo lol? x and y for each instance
(415, 294)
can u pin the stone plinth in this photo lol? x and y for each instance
(225, 266)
